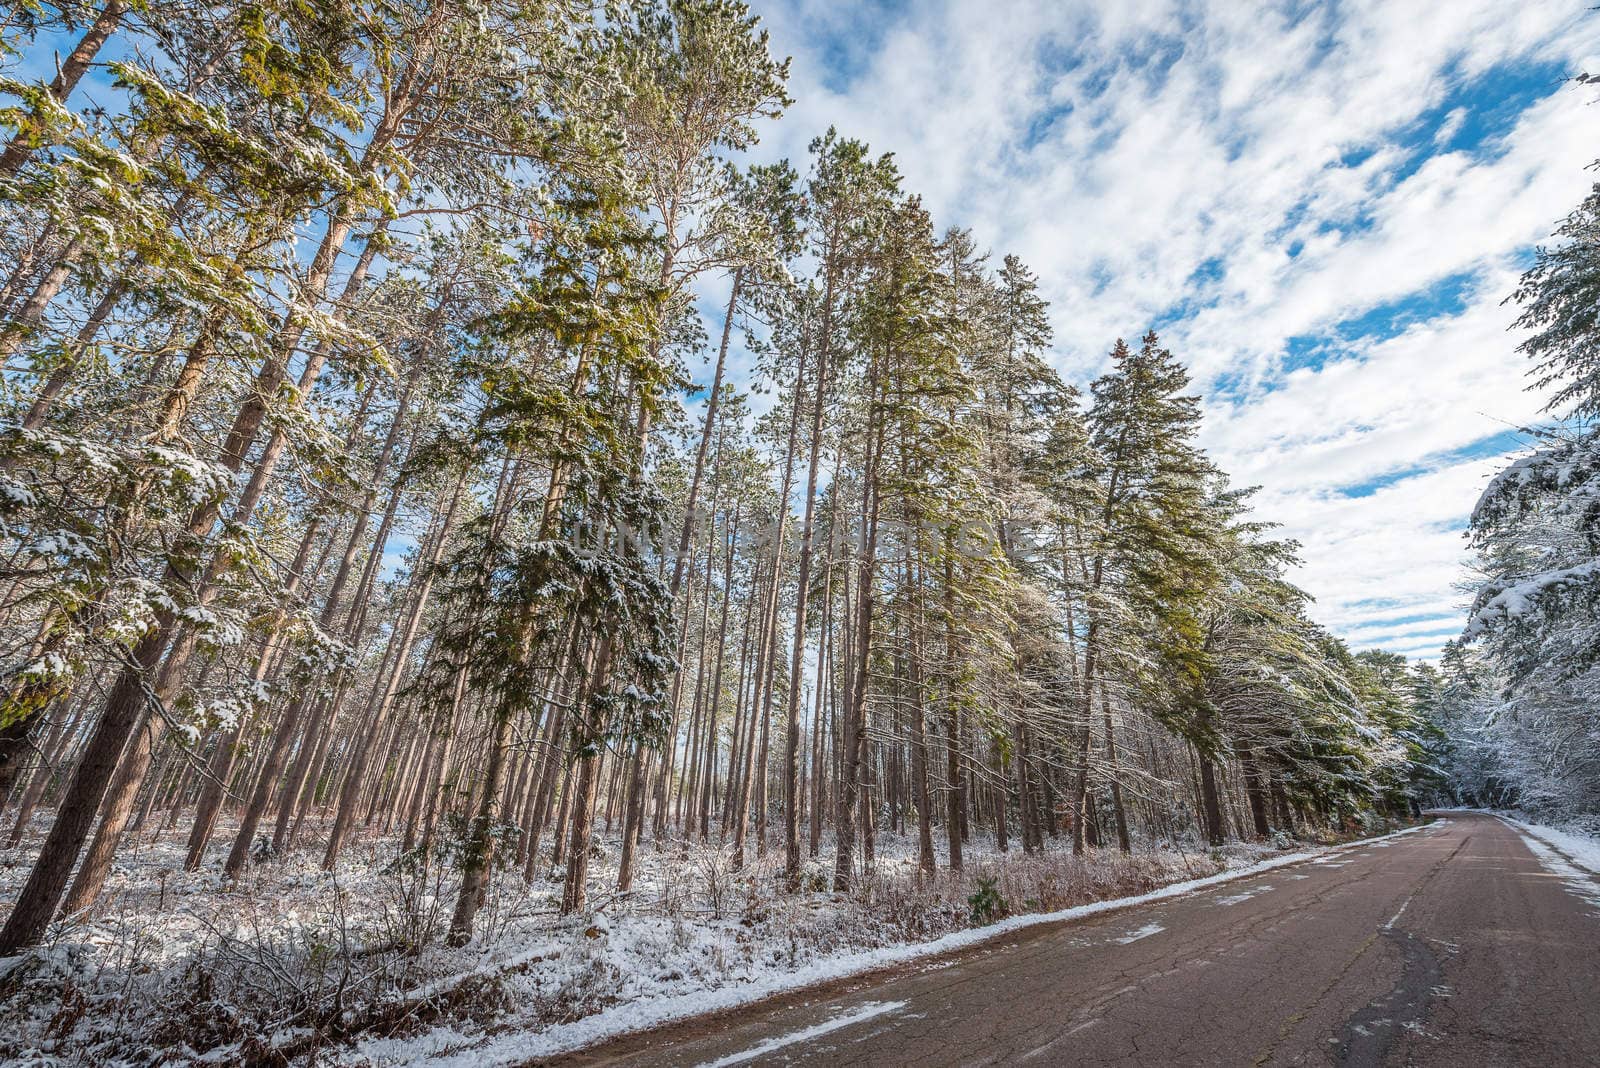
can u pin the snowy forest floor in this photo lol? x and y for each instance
(294, 965)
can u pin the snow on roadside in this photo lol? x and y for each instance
(1572, 857)
(450, 1048)
(1582, 849)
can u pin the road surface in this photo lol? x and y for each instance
(1449, 946)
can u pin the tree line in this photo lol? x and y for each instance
(353, 482)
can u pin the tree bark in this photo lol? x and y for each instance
(21, 146)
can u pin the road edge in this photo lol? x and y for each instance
(1531, 830)
(634, 1019)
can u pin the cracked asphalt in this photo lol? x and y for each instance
(1448, 946)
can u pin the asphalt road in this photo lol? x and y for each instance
(1449, 946)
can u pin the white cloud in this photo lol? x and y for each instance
(1450, 126)
(1264, 171)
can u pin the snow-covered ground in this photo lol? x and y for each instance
(350, 965)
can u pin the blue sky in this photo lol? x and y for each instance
(1321, 206)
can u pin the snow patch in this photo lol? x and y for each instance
(871, 1010)
(1240, 898)
(1144, 932)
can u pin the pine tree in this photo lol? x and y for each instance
(1147, 555)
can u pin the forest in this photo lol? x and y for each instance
(447, 485)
